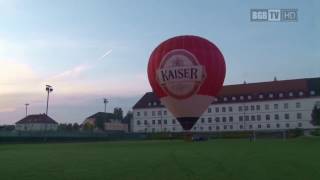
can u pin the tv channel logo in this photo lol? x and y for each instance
(274, 15)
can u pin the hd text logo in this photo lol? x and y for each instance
(274, 15)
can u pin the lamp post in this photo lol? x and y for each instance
(27, 104)
(48, 89)
(105, 101)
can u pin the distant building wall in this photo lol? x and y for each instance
(36, 127)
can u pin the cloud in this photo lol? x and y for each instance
(8, 109)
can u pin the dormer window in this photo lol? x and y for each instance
(290, 94)
(149, 104)
(215, 99)
(234, 98)
(154, 103)
(261, 96)
(312, 93)
(249, 97)
(225, 99)
(281, 95)
(241, 97)
(301, 93)
(270, 95)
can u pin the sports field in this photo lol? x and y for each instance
(215, 159)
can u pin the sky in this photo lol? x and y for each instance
(88, 50)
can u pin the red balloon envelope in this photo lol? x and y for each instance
(186, 72)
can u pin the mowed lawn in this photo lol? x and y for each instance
(215, 159)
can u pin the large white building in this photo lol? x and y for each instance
(37, 122)
(275, 105)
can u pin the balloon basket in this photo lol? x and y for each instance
(188, 136)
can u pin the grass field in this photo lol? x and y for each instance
(216, 159)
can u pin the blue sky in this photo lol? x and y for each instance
(93, 49)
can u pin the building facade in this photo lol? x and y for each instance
(275, 105)
(110, 123)
(36, 122)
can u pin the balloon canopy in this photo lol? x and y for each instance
(186, 72)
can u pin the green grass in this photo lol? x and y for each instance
(216, 159)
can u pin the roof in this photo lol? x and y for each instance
(295, 86)
(37, 118)
(102, 116)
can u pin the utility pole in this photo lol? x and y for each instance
(105, 101)
(48, 89)
(27, 104)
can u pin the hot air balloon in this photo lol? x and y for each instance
(186, 73)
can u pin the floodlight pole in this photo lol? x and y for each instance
(105, 101)
(48, 89)
(26, 108)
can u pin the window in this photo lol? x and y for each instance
(275, 106)
(240, 118)
(252, 107)
(138, 113)
(201, 128)
(259, 126)
(270, 95)
(209, 120)
(224, 119)
(165, 121)
(286, 105)
(260, 96)
(268, 125)
(159, 113)
(173, 121)
(230, 119)
(223, 109)
(149, 104)
(217, 127)
(250, 126)
(240, 108)
(225, 99)
(258, 117)
(298, 105)
(153, 129)
(253, 118)
(287, 125)
(258, 107)
(153, 121)
(276, 116)
(164, 112)
(217, 119)
(249, 97)
(153, 113)
(246, 108)
(241, 97)
(278, 125)
(286, 116)
(230, 109)
(209, 128)
(290, 94)
(154, 103)
(195, 128)
(145, 129)
(231, 127)
(241, 126)
(138, 122)
(246, 118)
(299, 115)
(234, 98)
(266, 107)
(225, 127)
(217, 109)
(301, 93)
(159, 121)
(202, 120)
(209, 110)
(145, 113)
(173, 129)
(281, 95)
(299, 124)
(268, 117)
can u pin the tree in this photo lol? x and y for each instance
(75, 126)
(118, 113)
(128, 117)
(88, 127)
(316, 115)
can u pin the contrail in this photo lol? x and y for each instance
(105, 54)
